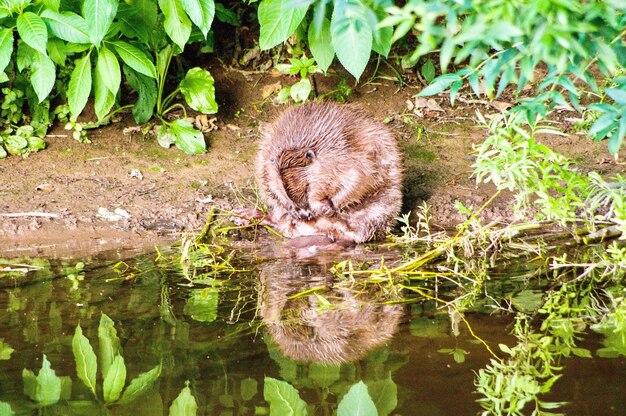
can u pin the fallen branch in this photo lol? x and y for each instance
(29, 214)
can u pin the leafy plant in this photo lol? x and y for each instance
(346, 28)
(493, 45)
(106, 39)
(301, 90)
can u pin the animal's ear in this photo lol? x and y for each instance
(310, 154)
(265, 129)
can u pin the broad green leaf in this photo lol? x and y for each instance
(139, 19)
(615, 141)
(57, 51)
(114, 380)
(384, 394)
(109, 68)
(3, 152)
(52, 4)
(283, 398)
(357, 402)
(439, 84)
(618, 95)
(602, 123)
(143, 109)
(383, 35)
(24, 57)
(99, 15)
(201, 13)
(140, 385)
(36, 143)
(135, 58)
(198, 89)
(109, 343)
(6, 47)
(202, 304)
(42, 75)
(278, 20)
(103, 101)
(5, 408)
(248, 388)
(428, 70)
(86, 364)
(184, 404)
(177, 24)
(300, 90)
(226, 15)
(165, 138)
(188, 139)
(79, 87)
(324, 375)
(32, 31)
(5, 350)
(67, 26)
(320, 43)
(352, 38)
(47, 385)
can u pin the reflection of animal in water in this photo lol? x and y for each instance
(329, 169)
(305, 330)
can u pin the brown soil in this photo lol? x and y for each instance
(73, 181)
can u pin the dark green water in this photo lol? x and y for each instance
(227, 336)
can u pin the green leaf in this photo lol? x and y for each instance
(248, 388)
(357, 402)
(143, 109)
(139, 20)
(198, 89)
(103, 97)
(428, 70)
(3, 152)
(617, 95)
(445, 54)
(384, 394)
(184, 404)
(32, 31)
(86, 364)
(108, 342)
(601, 124)
(201, 13)
(439, 84)
(79, 87)
(67, 26)
(5, 350)
(99, 15)
(188, 139)
(300, 90)
(52, 4)
(6, 47)
(140, 385)
(202, 304)
(165, 138)
(36, 143)
(320, 43)
(177, 24)
(57, 51)
(42, 75)
(283, 398)
(226, 15)
(278, 20)
(615, 141)
(114, 380)
(135, 58)
(45, 389)
(109, 68)
(15, 145)
(352, 39)
(383, 36)
(5, 408)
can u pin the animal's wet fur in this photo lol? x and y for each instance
(330, 169)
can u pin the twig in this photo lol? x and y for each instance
(29, 214)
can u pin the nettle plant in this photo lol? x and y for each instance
(345, 28)
(103, 42)
(558, 48)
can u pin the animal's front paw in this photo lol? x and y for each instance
(323, 207)
(298, 214)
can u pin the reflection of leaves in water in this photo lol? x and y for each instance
(324, 375)
(5, 351)
(184, 404)
(613, 327)
(283, 398)
(528, 301)
(249, 388)
(429, 328)
(202, 304)
(384, 394)
(357, 402)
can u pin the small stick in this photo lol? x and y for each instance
(29, 214)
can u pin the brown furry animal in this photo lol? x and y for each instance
(329, 169)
